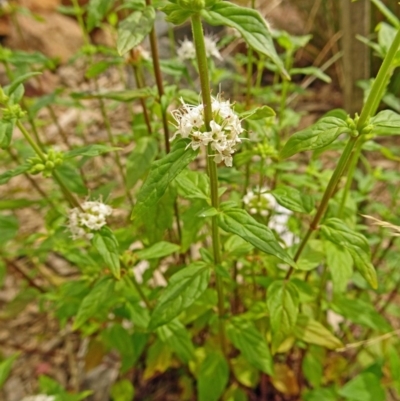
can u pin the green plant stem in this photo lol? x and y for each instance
(351, 171)
(160, 87)
(78, 14)
(371, 105)
(67, 193)
(139, 85)
(137, 286)
(368, 110)
(198, 36)
(249, 75)
(329, 191)
(103, 111)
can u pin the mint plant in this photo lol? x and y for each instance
(211, 241)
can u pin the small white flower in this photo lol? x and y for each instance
(92, 217)
(187, 51)
(225, 128)
(265, 204)
(211, 48)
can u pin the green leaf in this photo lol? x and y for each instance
(90, 151)
(312, 255)
(364, 387)
(96, 11)
(193, 185)
(340, 265)
(161, 174)
(5, 368)
(321, 134)
(132, 30)
(183, 289)
(313, 332)
(94, 301)
(158, 250)
(5, 177)
(249, 23)
(293, 199)
(360, 312)
(6, 131)
(253, 346)
(386, 122)
(283, 306)
(71, 178)
(336, 231)
(122, 390)
(140, 159)
(9, 89)
(312, 366)
(258, 114)
(107, 246)
(120, 96)
(213, 377)
(317, 72)
(239, 222)
(178, 338)
(8, 228)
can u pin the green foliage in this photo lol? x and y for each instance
(240, 275)
(184, 288)
(251, 343)
(5, 368)
(107, 245)
(212, 377)
(161, 174)
(249, 23)
(283, 307)
(337, 232)
(132, 30)
(318, 136)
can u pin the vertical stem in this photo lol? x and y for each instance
(374, 98)
(139, 85)
(160, 87)
(159, 82)
(368, 110)
(249, 73)
(198, 36)
(325, 199)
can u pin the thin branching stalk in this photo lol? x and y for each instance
(198, 35)
(368, 110)
(67, 193)
(159, 82)
(103, 111)
(140, 84)
(32, 181)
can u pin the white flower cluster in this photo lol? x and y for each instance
(91, 218)
(225, 128)
(263, 203)
(187, 51)
(39, 397)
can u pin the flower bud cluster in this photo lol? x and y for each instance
(13, 112)
(91, 217)
(187, 51)
(224, 132)
(52, 159)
